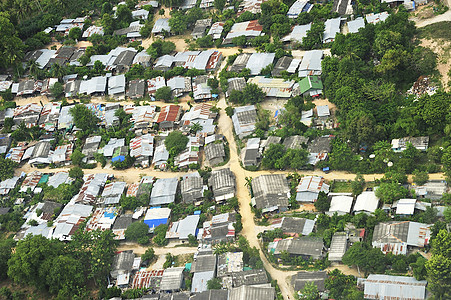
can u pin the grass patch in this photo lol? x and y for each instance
(436, 31)
(341, 187)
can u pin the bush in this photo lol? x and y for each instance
(137, 232)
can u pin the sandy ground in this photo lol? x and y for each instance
(443, 17)
(442, 49)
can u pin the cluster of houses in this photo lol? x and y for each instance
(271, 193)
(147, 148)
(239, 282)
(114, 83)
(98, 199)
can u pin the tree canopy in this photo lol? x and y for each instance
(84, 118)
(175, 142)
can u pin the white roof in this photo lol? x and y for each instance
(116, 84)
(258, 61)
(332, 27)
(405, 206)
(366, 201)
(160, 25)
(311, 63)
(376, 18)
(355, 25)
(156, 213)
(298, 33)
(93, 85)
(394, 287)
(340, 204)
(323, 110)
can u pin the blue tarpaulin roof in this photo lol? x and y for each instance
(118, 158)
(197, 212)
(156, 222)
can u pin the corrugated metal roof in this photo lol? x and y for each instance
(394, 287)
(311, 63)
(366, 201)
(258, 61)
(340, 205)
(355, 25)
(160, 25)
(163, 191)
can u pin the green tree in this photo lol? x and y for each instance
(25, 264)
(6, 246)
(342, 157)
(342, 286)
(420, 177)
(314, 37)
(77, 157)
(76, 173)
(137, 232)
(11, 46)
(164, 94)
(84, 118)
(195, 127)
(439, 266)
(357, 185)
(7, 168)
(160, 48)
(149, 255)
(219, 4)
(75, 33)
(159, 234)
(309, 292)
(391, 191)
(369, 259)
(419, 268)
(123, 16)
(64, 275)
(446, 161)
(175, 142)
(57, 90)
(323, 202)
(214, 284)
(253, 94)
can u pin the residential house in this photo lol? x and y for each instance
(142, 14)
(258, 61)
(341, 205)
(398, 237)
(240, 62)
(214, 153)
(342, 7)
(355, 25)
(163, 191)
(8, 184)
(65, 120)
(161, 27)
(29, 114)
(306, 246)
(172, 279)
(250, 29)
(192, 188)
(149, 280)
(311, 86)
(49, 116)
(92, 30)
(26, 88)
(122, 263)
(120, 225)
(295, 142)
(216, 30)
(93, 86)
(235, 84)
(143, 59)
(252, 292)
(204, 269)
(113, 144)
(297, 7)
(338, 246)
(142, 149)
(102, 219)
(433, 189)
(293, 67)
(116, 86)
(294, 226)
(156, 216)
(164, 63)
(272, 139)
(271, 192)
(67, 24)
(91, 145)
(136, 89)
(311, 63)
(132, 31)
(319, 148)
(179, 85)
(69, 220)
(252, 6)
(256, 277)
(168, 116)
(373, 18)
(92, 184)
(282, 65)
(379, 286)
(211, 295)
(40, 154)
(408, 207)
(160, 157)
(244, 119)
(273, 87)
(309, 187)
(300, 279)
(201, 89)
(200, 27)
(219, 229)
(112, 192)
(297, 34)
(191, 153)
(222, 183)
(366, 202)
(203, 115)
(229, 263)
(251, 155)
(332, 27)
(184, 228)
(421, 143)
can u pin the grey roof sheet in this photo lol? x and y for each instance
(317, 277)
(163, 191)
(271, 190)
(258, 61)
(394, 287)
(252, 292)
(160, 25)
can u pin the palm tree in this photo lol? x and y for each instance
(57, 71)
(195, 127)
(34, 69)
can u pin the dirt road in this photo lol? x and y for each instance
(440, 18)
